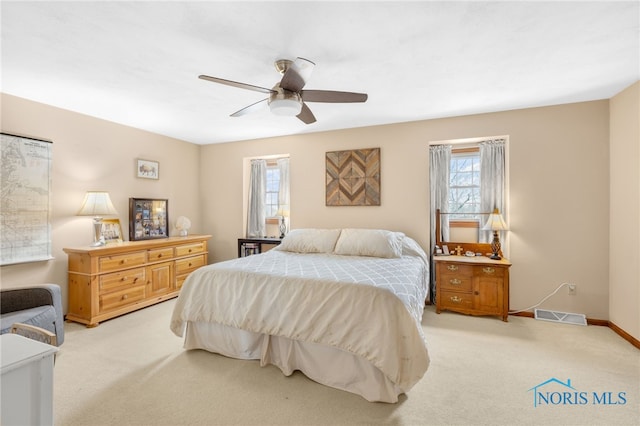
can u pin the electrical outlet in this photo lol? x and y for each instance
(572, 289)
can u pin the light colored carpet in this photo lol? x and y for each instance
(133, 371)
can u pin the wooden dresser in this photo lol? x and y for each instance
(472, 285)
(115, 279)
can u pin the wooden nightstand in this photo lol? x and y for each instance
(472, 285)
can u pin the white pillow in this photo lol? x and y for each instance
(369, 242)
(310, 240)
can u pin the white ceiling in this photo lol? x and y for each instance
(137, 63)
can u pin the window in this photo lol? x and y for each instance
(464, 185)
(273, 189)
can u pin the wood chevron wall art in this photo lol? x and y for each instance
(353, 177)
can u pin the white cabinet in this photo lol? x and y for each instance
(27, 381)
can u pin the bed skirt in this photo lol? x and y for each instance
(323, 364)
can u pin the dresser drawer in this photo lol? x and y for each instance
(120, 261)
(189, 264)
(121, 298)
(455, 300)
(123, 279)
(188, 249)
(160, 254)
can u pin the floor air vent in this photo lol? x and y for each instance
(564, 317)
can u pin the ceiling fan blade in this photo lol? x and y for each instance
(251, 108)
(236, 84)
(306, 115)
(297, 75)
(331, 96)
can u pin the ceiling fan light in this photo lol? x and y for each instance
(288, 107)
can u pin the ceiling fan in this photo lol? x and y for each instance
(287, 96)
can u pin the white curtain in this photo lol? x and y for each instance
(257, 188)
(284, 203)
(439, 165)
(492, 177)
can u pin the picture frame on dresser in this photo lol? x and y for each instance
(148, 218)
(111, 231)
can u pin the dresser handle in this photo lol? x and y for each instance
(455, 299)
(125, 296)
(488, 270)
(452, 267)
(455, 281)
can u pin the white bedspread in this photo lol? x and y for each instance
(371, 307)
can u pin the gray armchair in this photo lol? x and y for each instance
(39, 305)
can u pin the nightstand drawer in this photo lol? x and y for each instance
(455, 282)
(489, 271)
(455, 269)
(120, 261)
(450, 299)
(189, 264)
(115, 280)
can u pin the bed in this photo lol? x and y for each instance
(343, 306)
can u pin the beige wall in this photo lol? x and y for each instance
(624, 259)
(559, 192)
(559, 187)
(93, 154)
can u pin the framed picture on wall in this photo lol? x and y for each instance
(147, 169)
(148, 218)
(111, 231)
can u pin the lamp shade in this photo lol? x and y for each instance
(495, 222)
(97, 203)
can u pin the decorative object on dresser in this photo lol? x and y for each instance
(108, 281)
(495, 223)
(148, 218)
(183, 224)
(249, 246)
(112, 231)
(97, 204)
(474, 285)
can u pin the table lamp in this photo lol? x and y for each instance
(495, 223)
(97, 204)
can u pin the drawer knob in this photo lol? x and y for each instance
(456, 299)
(455, 281)
(488, 270)
(125, 296)
(452, 267)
